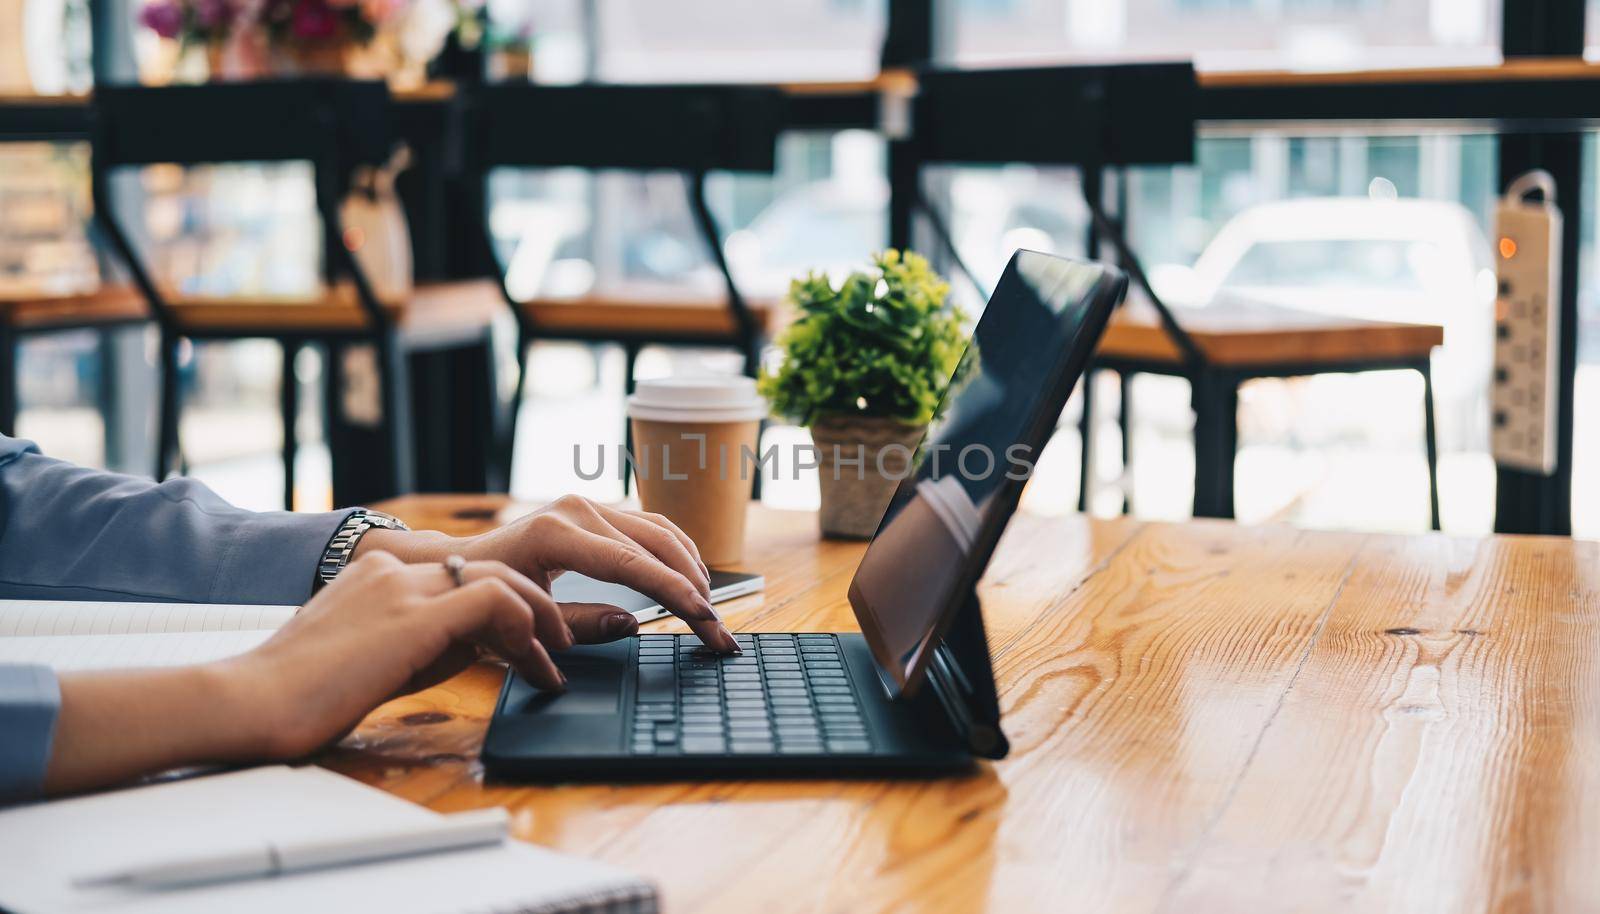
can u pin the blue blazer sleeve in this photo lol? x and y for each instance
(29, 700)
(69, 533)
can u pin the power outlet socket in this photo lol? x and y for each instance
(1522, 431)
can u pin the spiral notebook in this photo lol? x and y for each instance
(44, 847)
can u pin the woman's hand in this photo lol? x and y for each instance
(381, 629)
(643, 551)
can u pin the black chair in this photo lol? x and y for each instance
(684, 128)
(29, 312)
(1100, 117)
(336, 125)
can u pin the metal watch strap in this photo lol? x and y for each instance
(344, 542)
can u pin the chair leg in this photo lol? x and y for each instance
(167, 444)
(1216, 442)
(1125, 422)
(289, 411)
(630, 358)
(1431, 433)
(10, 355)
(397, 426)
(1086, 436)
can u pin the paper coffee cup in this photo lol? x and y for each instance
(694, 457)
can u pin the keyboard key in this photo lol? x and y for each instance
(818, 688)
(759, 712)
(750, 748)
(657, 661)
(787, 693)
(666, 736)
(836, 699)
(654, 714)
(656, 683)
(644, 748)
(849, 745)
(800, 749)
(703, 746)
(784, 676)
(815, 636)
(793, 711)
(701, 720)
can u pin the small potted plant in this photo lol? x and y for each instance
(864, 367)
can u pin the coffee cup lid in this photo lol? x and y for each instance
(700, 399)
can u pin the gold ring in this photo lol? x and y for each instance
(457, 566)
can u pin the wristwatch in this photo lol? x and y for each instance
(343, 545)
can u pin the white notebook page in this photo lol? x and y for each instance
(24, 618)
(44, 847)
(94, 636)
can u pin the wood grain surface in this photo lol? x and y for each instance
(1204, 717)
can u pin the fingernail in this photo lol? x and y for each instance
(563, 680)
(619, 625)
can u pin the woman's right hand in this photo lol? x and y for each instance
(381, 629)
(384, 628)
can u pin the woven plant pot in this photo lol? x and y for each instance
(860, 462)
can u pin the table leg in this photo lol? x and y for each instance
(1125, 422)
(1431, 433)
(1216, 442)
(1086, 437)
(289, 412)
(10, 355)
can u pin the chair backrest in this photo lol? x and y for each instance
(1121, 114)
(686, 128)
(325, 121)
(334, 124)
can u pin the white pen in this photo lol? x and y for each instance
(455, 832)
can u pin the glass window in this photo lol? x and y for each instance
(1382, 228)
(1230, 34)
(568, 232)
(715, 40)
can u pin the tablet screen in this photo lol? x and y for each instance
(946, 514)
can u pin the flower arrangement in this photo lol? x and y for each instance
(298, 22)
(191, 22)
(285, 23)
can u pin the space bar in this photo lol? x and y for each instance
(657, 682)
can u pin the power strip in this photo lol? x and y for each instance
(1527, 326)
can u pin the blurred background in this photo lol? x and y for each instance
(1386, 222)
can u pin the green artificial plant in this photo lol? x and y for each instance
(884, 344)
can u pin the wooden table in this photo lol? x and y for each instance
(1203, 717)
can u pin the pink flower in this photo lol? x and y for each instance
(313, 19)
(164, 17)
(212, 14)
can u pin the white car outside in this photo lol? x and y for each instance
(1413, 261)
